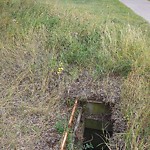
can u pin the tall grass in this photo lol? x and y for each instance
(135, 103)
(38, 37)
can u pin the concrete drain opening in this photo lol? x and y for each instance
(92, 126)
(97, 126)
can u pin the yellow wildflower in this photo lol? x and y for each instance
(60, 69)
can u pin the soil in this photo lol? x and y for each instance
(106, 90)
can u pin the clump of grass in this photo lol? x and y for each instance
(60, 126)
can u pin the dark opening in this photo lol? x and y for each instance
(98, 126)
(96, 139)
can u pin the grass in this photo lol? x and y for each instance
(37, 38)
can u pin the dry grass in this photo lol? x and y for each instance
(135, 103)
(36, 37)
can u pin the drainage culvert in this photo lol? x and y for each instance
(92, 126)
(97, 126)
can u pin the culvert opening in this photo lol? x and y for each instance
(92, 126)
(98, 127)
(96, 139)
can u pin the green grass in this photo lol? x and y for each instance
(39, 37)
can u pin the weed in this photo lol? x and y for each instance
(88, 146)
(60, 126)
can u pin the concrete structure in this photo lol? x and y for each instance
(140, 7)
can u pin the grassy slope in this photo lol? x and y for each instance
(36, 37)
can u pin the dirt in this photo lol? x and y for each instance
(49, 141)
(50, 138)
(106, 90)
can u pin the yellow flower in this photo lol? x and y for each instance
(60, 69)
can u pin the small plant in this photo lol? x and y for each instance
(60, 126)
(88, 146)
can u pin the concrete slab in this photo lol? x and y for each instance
(140, 7)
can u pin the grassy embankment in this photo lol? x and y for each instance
(37, 38)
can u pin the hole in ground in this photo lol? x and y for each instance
(96, 139)
(98, 126)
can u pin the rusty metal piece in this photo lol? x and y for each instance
(69, 126)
